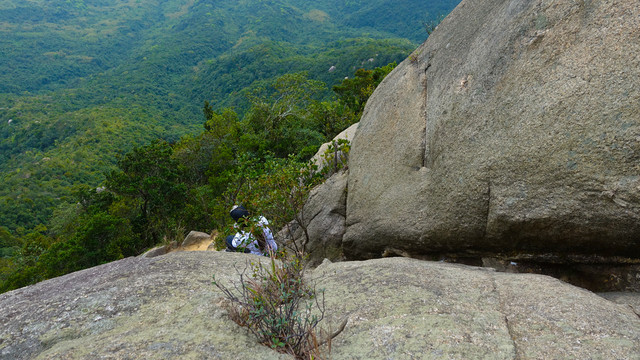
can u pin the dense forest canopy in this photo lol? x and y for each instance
(84, 82)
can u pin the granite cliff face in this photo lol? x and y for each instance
(167, 308)
(514, 128)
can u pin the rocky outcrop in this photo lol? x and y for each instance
(324, 212)
(194, 241)
(513, 129)
(167, 308)
(157, 251)
(320, 158)
(631, 299)
(137, 308)
(324, 217)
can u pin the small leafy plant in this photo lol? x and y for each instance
(336, 157)
(275, 304)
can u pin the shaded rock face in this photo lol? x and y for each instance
(513, 128)
(167, 308)
(324, 215)
(324, 212)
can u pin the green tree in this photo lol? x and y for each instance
(332, 117)
(280, 120)
(151, 177)
(8, 243)
(276, 188)
(85, 234)
(23, 269)
(221, 125)
(213, 151)
(102, 238)
(355, 92)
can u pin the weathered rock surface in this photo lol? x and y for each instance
(324, 215)
(403, 308)
(166, 307)
(514, 127)
(319, 160)
(324, 212)
(157, 251)
(137, 308)
(631, 299)
(195, 239)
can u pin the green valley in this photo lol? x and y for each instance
(83, 82)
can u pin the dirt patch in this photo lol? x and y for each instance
(202, 245)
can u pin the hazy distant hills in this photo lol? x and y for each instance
(51, 43)
(82, 80)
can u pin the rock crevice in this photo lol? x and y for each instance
(507, 324)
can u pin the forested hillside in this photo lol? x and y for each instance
(83, 82)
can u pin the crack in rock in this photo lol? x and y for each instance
(501, 308)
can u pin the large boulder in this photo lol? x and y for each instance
(196, 240)
(514, 128)
(323, 216)
(167, 308)
(324, 213)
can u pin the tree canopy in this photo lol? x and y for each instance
(159, 190)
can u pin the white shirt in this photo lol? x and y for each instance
(246, 240)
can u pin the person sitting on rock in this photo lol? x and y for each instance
(253, 235)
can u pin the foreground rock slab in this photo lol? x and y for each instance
(410, 309)
(137, 308)
(166, 308)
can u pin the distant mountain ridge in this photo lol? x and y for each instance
(84, 37)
